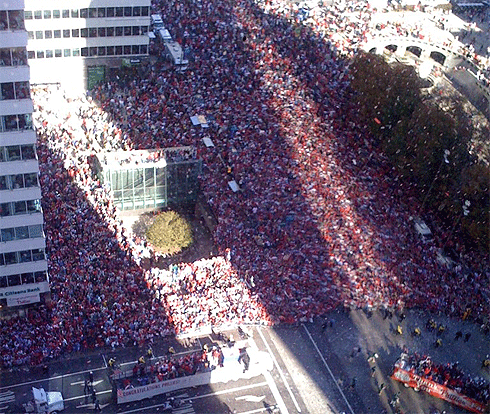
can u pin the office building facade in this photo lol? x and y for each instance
(23, 266)
(73, 42)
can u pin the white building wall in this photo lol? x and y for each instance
(67, 37)
(23, 265)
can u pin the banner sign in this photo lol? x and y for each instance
(437, 390)
(150, 390)
(23, 300)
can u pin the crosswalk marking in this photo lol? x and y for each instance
(6, 397)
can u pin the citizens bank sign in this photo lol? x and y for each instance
(24, 294)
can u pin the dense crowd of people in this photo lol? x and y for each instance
(151, 370)
(450, 375)
(320, 220)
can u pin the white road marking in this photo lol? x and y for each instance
(250, 398)
(298, 408)
(259, 410)
(83, 382)
(328, 368)
(86, 396)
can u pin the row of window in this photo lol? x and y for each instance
(14, 90)
(18, 152)
(21, 233)
(11, 20)
(16, 181)
(15, 122)
(90, 51)
(89, 32)
(23, 279)
(20, 207)
(88, 13)
(24, 256)
(13, 56)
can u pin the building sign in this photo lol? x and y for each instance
(23, 300)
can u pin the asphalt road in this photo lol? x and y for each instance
(311, 370)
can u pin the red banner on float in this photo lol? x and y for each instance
(437, 390)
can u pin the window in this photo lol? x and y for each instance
(13, 153)
(135, 49)
(93, 51)
(47, 14)
(7, 91)
(136, 11)
(119, 31)
(22, 233)
(27, 278)
(136, 30)
(49, 53)
(66, 52)
(19, 56)
(11, 123)
(25, 121)
(101, 32)
(34, 206)
(110, 12)
(128, 11)
(84, 32)
(17, 181)
(127, 30)
(40, 276)
(27, 15)
(84, 51)
(92, 12)
(19, 207)
(35, 231)
(57, 53)
(30, 34)
(10, 258)
(92, 32)
(101, 51)
(5, 57)
(65, 13)
(38, 14)
(22, 91)
(28, 152)
(38, 254)
(144, 29)
(66, 33)
(119, 12)
(5, 209)
(8, 234)
(56, 14)
(118, 50)
(109, 31)
(31, 54)
(127, 49)
(75, 32)
(143, 49)
(48, 34)
(25, 256)
(13, 280)
(76, 52)
(145, 11)
(57, 34)
(110, 50)
(101, 12)
(83, 13)
(3, 182)
(74, 13)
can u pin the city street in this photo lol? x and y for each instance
(317, 368)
